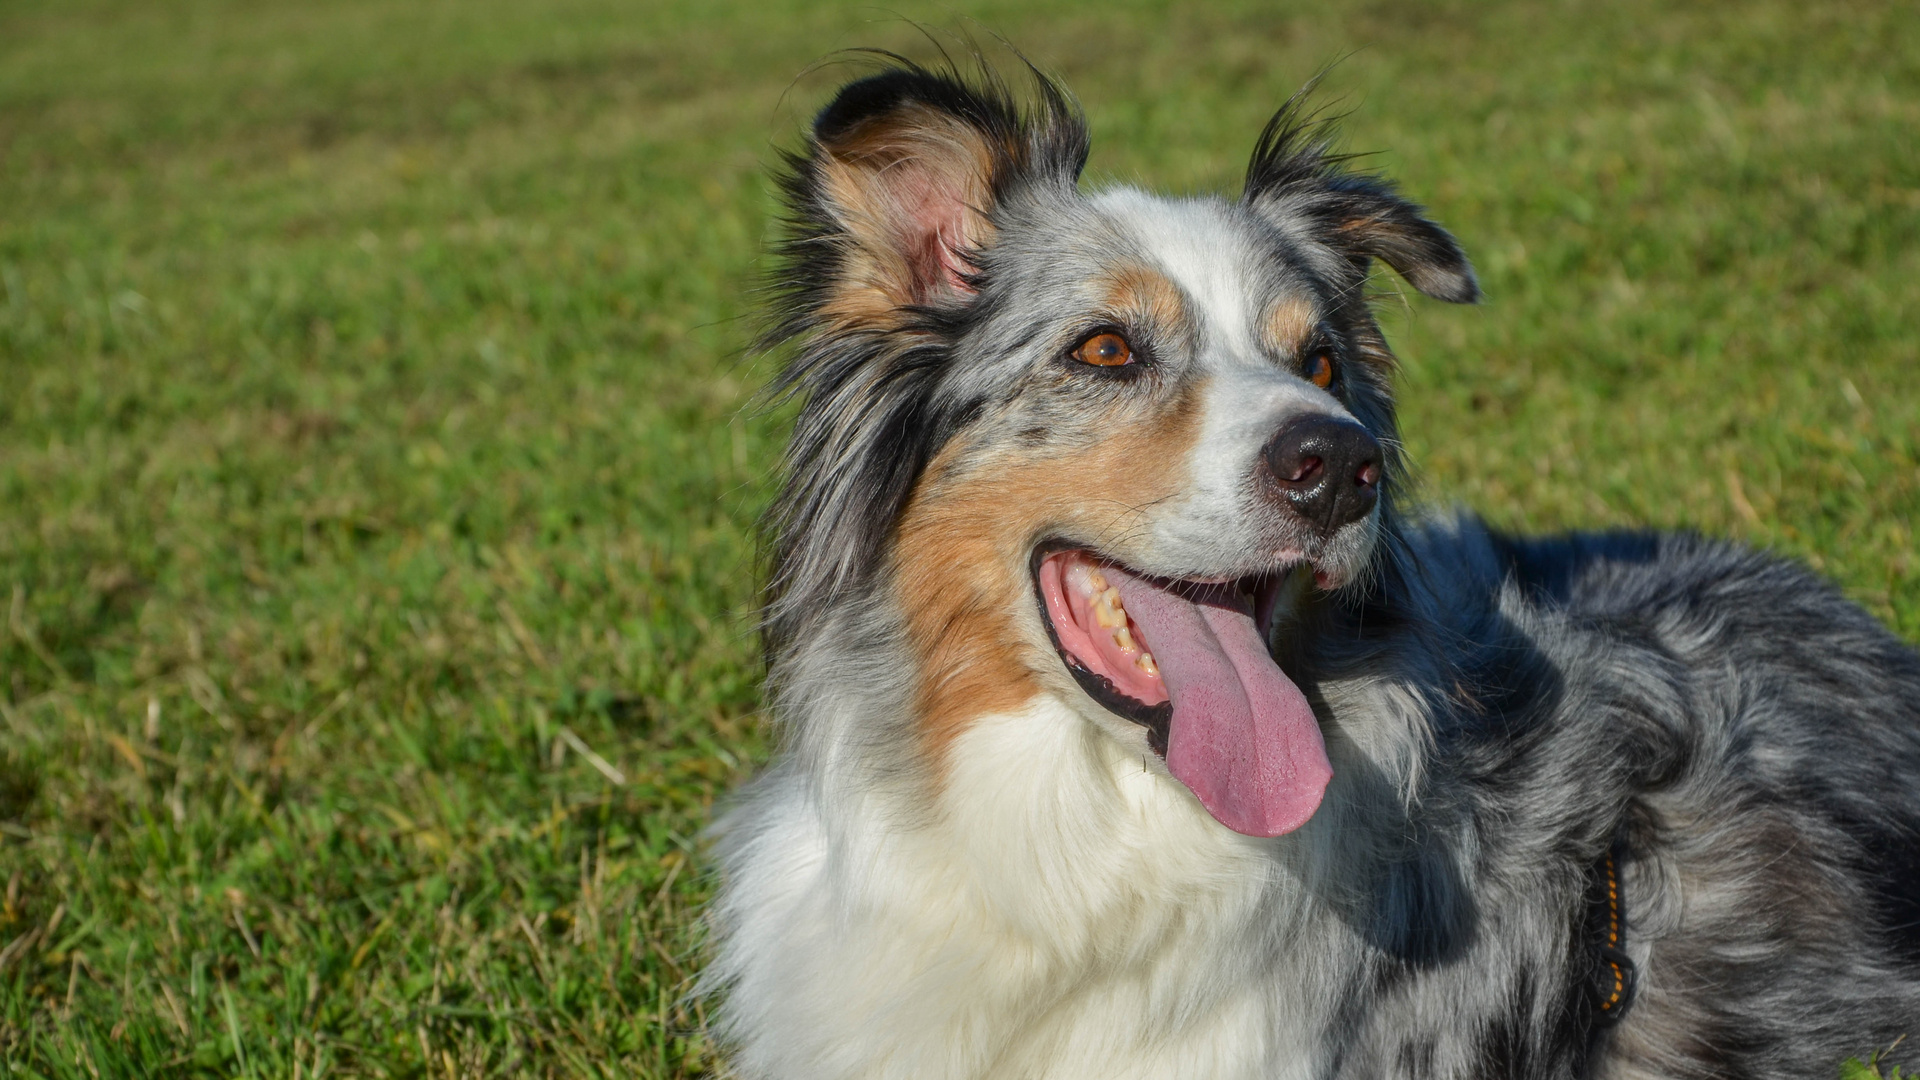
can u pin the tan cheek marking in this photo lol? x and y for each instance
(961, 557)
(1288, 323)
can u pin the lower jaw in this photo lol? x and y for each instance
(1157, 719)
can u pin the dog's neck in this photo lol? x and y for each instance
(1045, 789)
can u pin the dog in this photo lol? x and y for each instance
(1132, 728)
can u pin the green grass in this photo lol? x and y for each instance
(1869, 1069)
(371, 442)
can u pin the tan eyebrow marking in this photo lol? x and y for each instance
(1288, 324)
(1141, 294)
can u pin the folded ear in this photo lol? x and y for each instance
(1294, 181)
(896, 193)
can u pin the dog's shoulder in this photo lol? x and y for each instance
(1667, 687)
(1740, 634)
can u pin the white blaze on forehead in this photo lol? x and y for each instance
(1212, 259)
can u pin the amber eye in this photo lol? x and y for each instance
(1318, 370)
(1104, 350)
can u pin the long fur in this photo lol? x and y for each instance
(1020, 890)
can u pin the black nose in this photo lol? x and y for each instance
(1328, 469)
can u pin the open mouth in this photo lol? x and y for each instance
(1189, 661)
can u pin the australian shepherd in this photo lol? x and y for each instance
(1131, 730)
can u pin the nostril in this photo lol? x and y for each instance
(1308, 469)
(1368, 475)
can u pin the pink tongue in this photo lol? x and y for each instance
(1243, 737)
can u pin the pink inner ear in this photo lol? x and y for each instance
(933, 224)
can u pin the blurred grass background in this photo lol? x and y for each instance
(375, 486)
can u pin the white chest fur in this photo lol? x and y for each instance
(1066, 913)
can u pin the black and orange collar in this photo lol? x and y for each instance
(1613, 974)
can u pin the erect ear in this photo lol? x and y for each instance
(1296, 183)
(897, 191)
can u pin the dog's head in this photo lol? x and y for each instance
(1083, 445)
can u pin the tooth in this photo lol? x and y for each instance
(1145, 663)
(1097, 581)
(1107, 610)
(1123, 637)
